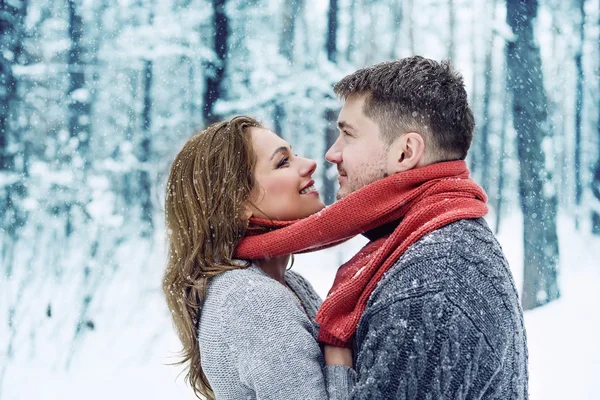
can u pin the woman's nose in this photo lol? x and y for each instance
(308, 167)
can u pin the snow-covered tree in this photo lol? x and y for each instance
(537, 191)
(13, 171)
(97, 97)
(596, 175)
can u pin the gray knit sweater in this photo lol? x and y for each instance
(445, 322)
(258, 342)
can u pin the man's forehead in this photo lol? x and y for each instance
(354, 104)
(350, 114)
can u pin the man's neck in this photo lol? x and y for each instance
(382, 230)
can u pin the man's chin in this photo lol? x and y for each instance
(341, 194)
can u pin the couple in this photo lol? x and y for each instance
(426, 310)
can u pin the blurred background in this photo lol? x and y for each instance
(97, 97)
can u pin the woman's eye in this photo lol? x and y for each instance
(284, 161)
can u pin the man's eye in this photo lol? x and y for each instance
(284, 161)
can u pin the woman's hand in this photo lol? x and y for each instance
(337, 355)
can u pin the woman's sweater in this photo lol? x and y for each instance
(258, 342)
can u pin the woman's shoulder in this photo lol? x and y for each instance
(249, 274)
(243, 285)
(246, 276)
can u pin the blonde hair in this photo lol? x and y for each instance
(210, 181)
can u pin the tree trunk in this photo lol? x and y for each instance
(578, 113)
(11, 36)
(596, 178)
(330, 115)
(411, 27)
(537, 193)
(558, 111)
(500, 188)
(351, 31)
(144, 152)
(331, 133)
(192, 98)
(79, 105)
(12, 151)
(452, 30)
(370, 40)
(484, 148)
(596, 195)
(474, 156)
(215, 71)
(332, 24)
(397, 15)
(291, 8)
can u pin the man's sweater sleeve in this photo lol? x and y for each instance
(422, 345)
(276, 353)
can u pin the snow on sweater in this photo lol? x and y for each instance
(258, 342)
(445, 322)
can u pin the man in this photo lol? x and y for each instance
(444, 321)
(429, 305)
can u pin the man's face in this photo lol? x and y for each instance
(359, 152)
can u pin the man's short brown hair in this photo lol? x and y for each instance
(416, 94)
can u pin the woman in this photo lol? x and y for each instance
(247, 327)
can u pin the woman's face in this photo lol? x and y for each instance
(284, 187)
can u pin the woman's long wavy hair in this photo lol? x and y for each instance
(210, 182)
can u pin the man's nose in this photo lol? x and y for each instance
(334, 154)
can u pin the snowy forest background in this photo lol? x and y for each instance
(96, 97)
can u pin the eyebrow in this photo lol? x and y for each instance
(344, 124)
(281, 149)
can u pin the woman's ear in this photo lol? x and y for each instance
(247, 211)
(250, 208)
(406, 152)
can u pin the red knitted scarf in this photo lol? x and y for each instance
(424, 199)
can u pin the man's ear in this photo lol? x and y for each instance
(406, 152)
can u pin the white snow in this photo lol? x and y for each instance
(123, 360)
(7, 179)
(82, 95)
(124, 355)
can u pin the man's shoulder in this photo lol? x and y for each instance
(463, 242)
(464, 254)
(465, 231)
(452, 287)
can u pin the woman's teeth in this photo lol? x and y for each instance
(308, 189)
